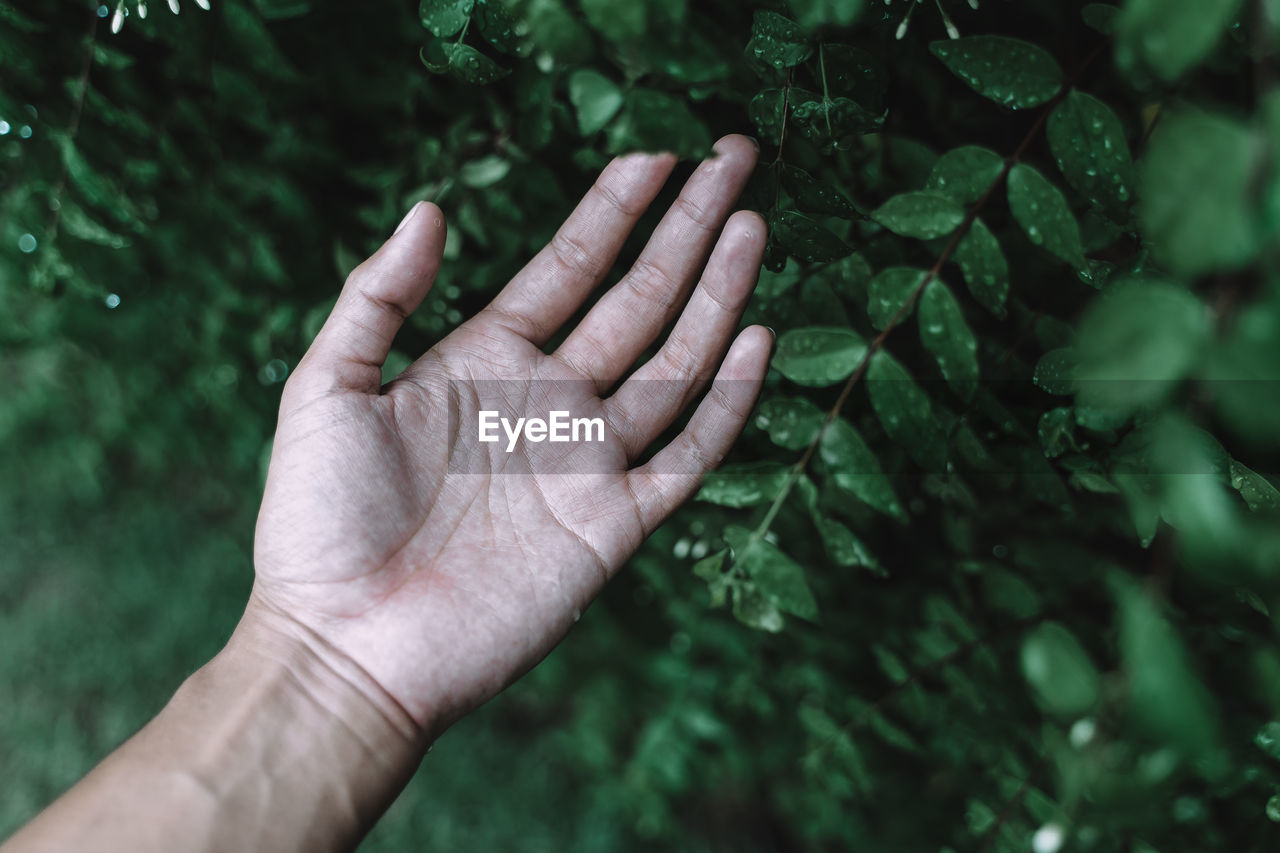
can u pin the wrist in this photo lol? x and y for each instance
(292, 739)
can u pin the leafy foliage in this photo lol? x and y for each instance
(1009, 562)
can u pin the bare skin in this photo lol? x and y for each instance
(407, 573)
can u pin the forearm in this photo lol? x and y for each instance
(273, 745)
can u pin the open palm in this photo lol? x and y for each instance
(445, 566)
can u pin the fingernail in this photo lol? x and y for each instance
(774, 348)
(407, 217)
(755, 142)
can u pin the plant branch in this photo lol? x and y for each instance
(878, 342)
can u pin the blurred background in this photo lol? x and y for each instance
(1058, 648)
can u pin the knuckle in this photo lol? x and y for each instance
(651, 283)
(695, 213)
(571, 254)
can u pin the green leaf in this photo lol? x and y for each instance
(765, 111)
(822, 198)
(461, 61)
(655, 121)
(1136, 342)
(1042, 211)
(744, 484)
(711, 570)
(1165, 697)
(778, 577)
(1006, 70)
(944, 333)
(1171, 36)
(965, 173)
(806, 239)
(484, 172)
(752, 608)
(1257, 491)
(920, 214)
(1197, 180)
(498, 27)
(856, 469)
(831, 123)
(711, 567)
(905, 412)
(1090, 146)
(444, 18)
(1055, 372)
(844, 548)
(985, 270)
(889, 291)
(595, 98)
(792, 422)
(777, 41)
(818, 355)
(1057, 667)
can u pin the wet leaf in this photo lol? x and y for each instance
(818, 355)
(444, 18)
(778, 41)
(791, 422)
(745, 484)
(765, 111)
(1046, 218)
(498, 27)
(985, 270)
(814, 196)
(1089, 144)
(1009, 71)
(1055, 372)
(965, 173)
(845, 548)
(944, 333)
(921, 214)
(806, 239)
(831, 123)
(889, 291)
(856, 469)
(463, 62)
(779, 578)
(905, 412)
(1258, 492)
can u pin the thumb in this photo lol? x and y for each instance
(379, 294)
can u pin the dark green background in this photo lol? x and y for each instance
(1087, 562)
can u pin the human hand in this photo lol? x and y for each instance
(391, 539)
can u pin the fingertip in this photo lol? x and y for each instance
(748, 357)
(749, 226)
(738, 145)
